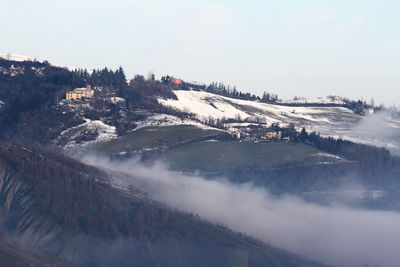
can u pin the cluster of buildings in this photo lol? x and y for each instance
(257, 135)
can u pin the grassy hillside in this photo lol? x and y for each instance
(218, 156)
(153, 137)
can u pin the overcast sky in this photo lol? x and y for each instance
(305, 48)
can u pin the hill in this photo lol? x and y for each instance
(32, 98)
(154, 137)
(69, 211)
(129, 119)
(204, 105)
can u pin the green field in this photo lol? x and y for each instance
(218, 156)
(153, 136)
(209, 156)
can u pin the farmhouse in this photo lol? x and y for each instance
(268, 135)
(176, 81)
(235, 135)
(116, 99)
(79, 93)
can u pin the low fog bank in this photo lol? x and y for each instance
(336, 235)
(382, 126)
(379, 129)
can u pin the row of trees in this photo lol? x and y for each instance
(226, 90)
(142, 93)
(369, 166)
(103, 77)
(37, 86)
(358, 107)
(267, 97)
(31, 96)
(373, 162)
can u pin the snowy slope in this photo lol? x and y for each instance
(327, 100)
(21, 58)
(15, 57)
(380, 129)
(206, 105)
(168, 120)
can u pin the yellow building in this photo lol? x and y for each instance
(79, 93)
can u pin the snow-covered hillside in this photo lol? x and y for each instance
(378, 129)
(15, 57)
(206, 105)
(21, 58)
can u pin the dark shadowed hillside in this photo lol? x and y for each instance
(66, 209)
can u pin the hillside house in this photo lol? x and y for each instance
(268, 135)
(369, 111)
(176, 81)
(235, 135)
(78, 93)
(116, 100)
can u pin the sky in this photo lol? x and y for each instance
(308, 48)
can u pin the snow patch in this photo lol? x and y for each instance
(336, 100)
(169, 120)
(116, 99)
(15, 57)
(327, 155)
(38, 71)
(22, 58)
(12, 71)
(87, 134)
